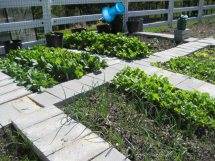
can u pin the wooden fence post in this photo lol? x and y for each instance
(125, 17)
(47, 16)
(171, 12)
(200, 10)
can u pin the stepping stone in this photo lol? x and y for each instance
(37, 117)
(54, 136)
(13, 95)
(7, 113)
(45, 127)
(77, 86)
(207, 88)
(190, 84)
(8, 88)
(6, 82)
(61, 92)
(174, 78)
(44, 99)
(3, 76)
(62, 137)
(111, 155)
(90, 81)
(106, 76)
(25, 105)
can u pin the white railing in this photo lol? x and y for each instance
(47, 22)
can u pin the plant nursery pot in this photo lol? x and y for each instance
(54, 39)
(103, 28)
(12, 45)
(80, 29)
(134, 26)
(117, 25)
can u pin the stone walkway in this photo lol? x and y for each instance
(56, 136)
(10, 90)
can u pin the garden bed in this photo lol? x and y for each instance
(199, 29)
(147, 119)
(115, 45)
(43, 67)
(13, 147)
(158, 44)
(200, 65)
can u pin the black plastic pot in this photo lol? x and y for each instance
(12, 45)
(134, 26)
(54, 39)
(103, 28)
(117, 25)
(80, 29)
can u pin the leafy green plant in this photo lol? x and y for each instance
(33, 79)
(197, 108)
(118, 45)
(200, 65)
(59, 63)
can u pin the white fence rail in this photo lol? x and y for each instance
(47, 22)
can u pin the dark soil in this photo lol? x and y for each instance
(139, 129)
(158, 44)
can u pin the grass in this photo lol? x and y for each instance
(200, 65)
(139, 129)
(13, 147)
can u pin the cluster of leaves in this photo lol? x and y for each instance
(31, 78)
(118, 45)
(200, 65)
(61, 64)
(197, 108)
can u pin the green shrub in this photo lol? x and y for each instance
(32, 79)
(197, 108)
(118, 45)
(200, 65)
(60, 63)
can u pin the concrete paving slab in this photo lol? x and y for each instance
(21, 92)
(84, 149)
(207, 88)
(190, 84)
(6, 82)
(7, 112)
(37, 117)
(61, 92)
(45, 127)
(61, 137)
(3, 76)
(44, 99)
(8, 88)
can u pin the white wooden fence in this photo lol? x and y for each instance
(47, 22)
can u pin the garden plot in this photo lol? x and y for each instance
(43, 67)
(157, 43)
(14, 147)
(200, 65)
(118, 45)
(147, 119)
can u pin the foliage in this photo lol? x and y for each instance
(200, 65)
(13, 147)
(33, 79)
(59, 63)
(118, 45)
(138, 128)
(196, 108)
